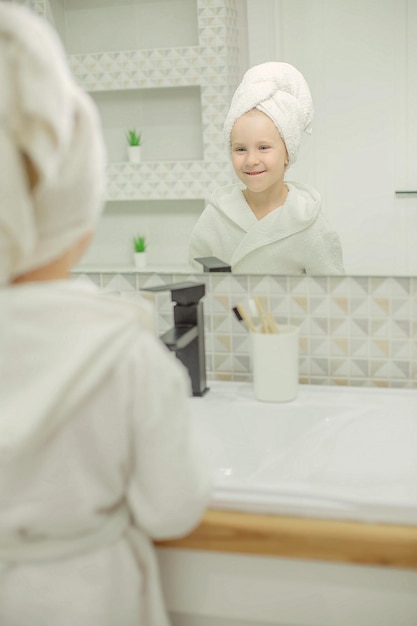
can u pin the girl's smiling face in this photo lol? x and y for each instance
(259, 155)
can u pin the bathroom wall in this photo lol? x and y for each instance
(353, 330)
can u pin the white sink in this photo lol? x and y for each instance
(343, 452)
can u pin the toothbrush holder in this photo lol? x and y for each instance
(275, 364)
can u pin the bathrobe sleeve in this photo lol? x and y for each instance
(169, 481)
(326, 257)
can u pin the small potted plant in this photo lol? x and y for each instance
(134, 142)
(139, 251)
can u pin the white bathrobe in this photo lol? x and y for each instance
(97, 457)
(295, 238)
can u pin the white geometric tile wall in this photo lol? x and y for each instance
(353, 330)
(162, 180)
(212, 65)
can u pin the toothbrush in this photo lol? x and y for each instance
(245, 317)
(262, 317)
(272, 326)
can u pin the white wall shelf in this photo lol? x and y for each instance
(169, 120)
(137, 69)
(153, 180)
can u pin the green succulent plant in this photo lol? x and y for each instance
(139, 243)
(133, 138)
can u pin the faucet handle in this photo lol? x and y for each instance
(185, 293)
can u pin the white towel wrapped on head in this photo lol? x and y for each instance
(46, 117)
(280, 91)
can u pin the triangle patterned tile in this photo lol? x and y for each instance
(258, 284)
(90, 278)
(151, 280)
(110, 282)
(400, 328)
(304, 368)
(340, 346)
(318, 285)
(279, 307)
(298, 305)
(413, 286)
(400, 287)
(339, 304)
(319, 346)
(319, 305)
(400, 307)
(298, 285)
(359, 347)
(339, 367)
(339, 326)
(400, 349)
(164, 323)
(241, 363)
(220, 283)
(379, 328)
(221, 343)
(359, 367)
(241, 343)
(379, 347)
(319, 367)
(379, 369)
(319, 325)
(359, 327)
(359, 306)
(221, 323)
(127, 282)
(379, 286)
(304, 345)
(301, 322)
(359, 286)
(223, 362)
(379, 306)
(338, 285)
(400, 369)
(239, 285)
(279, 284)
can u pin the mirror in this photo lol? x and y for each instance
(360, 61)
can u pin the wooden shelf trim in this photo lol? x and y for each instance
(305, 538)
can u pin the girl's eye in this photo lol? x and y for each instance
(239, 149)
(263, 147)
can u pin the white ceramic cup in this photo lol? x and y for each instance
(275, 364)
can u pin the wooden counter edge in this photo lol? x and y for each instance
(304, 538)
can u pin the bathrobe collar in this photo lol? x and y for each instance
(298, 212)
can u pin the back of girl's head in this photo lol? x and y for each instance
(51, 128)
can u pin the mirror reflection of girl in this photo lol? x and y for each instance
(266, 224)
(96, 449)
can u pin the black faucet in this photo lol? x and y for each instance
(186, 339)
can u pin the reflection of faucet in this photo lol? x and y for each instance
(213, 264)
(186, 339)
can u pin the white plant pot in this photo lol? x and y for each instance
(134, 153)
(140, 259)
